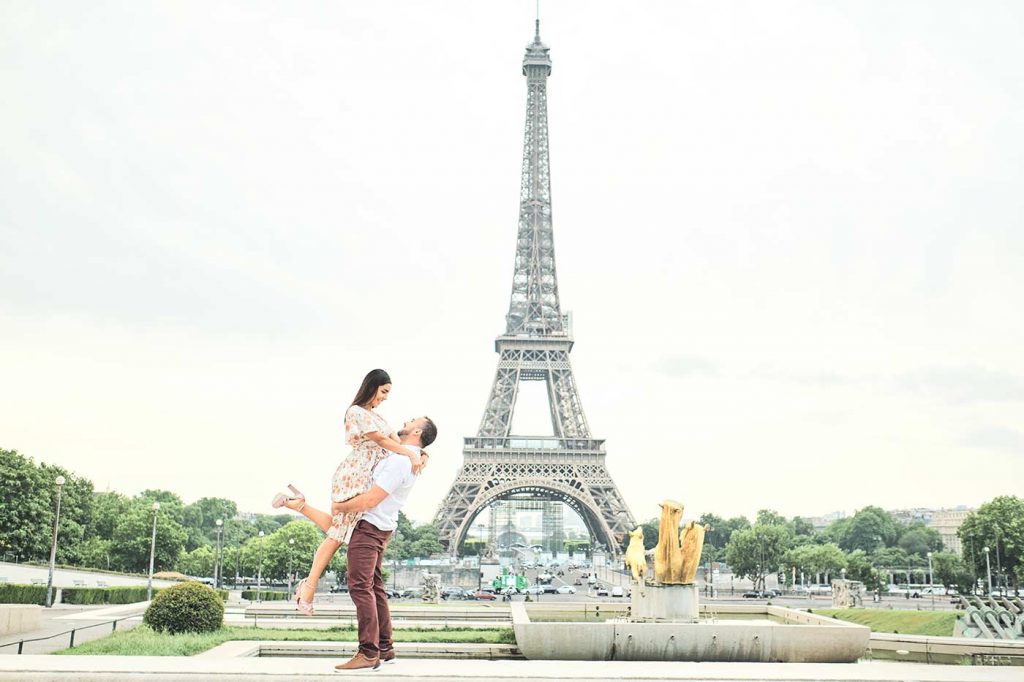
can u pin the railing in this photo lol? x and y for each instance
(21, 643)
(535, 443)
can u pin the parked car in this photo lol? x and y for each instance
(534, 589)
(484, 595)
(617, 591)
(412, 593)
(602, 591)
(755, 594)
(339, 589)
(566, 589)
(774, 592)
(550, 589)
(453, 593)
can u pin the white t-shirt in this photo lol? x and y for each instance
(394, 475)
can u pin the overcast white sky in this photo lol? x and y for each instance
(790, 234)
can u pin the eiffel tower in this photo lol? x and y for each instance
(568, 467)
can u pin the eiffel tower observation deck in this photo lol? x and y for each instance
(568, 466)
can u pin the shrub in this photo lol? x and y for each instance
(267, 595)
(188, 607)
(22, 594)
(104, 595)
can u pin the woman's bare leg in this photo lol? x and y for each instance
(321, 518)
(324, 553)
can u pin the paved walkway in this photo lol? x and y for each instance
(64, 617)
(166, 669)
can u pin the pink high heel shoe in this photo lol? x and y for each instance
(306, 607)
(280, 499)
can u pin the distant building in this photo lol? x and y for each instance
(909, 516)
(820, 523)
(947, 522)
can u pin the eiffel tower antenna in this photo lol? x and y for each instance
(568, 467)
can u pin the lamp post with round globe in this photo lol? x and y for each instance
(988, 569)
(53, 547)
(152, 552)
(259, 572)
(218, 567)
(291, 563)
(931, 580)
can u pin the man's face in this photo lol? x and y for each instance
(413, 427)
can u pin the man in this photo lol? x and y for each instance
(393, 479)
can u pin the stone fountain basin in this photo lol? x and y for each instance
(728, 632)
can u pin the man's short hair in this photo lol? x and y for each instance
(429, 432)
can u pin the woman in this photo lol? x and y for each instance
(370, 438)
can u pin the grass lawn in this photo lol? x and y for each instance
(142, 641)
(932, 623)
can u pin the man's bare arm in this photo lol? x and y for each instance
(361, 502)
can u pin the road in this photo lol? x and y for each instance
(23, 574)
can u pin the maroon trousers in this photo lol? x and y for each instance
(366, 588)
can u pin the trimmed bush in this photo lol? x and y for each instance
(267, 595)
(104, 595)
(188, 607)
(22, 594)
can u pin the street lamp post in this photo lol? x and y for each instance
(152, 553)
(931, 580)
(291, 563)
(988, 569)
(259, 572)
(218, 569)
(53, 548)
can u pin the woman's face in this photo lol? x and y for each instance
(382, 395)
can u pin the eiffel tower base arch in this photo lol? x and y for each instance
(539, 490)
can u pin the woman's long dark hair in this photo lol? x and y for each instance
(368, 389)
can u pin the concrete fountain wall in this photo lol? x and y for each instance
(754, 633)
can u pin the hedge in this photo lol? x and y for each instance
(22, 594)
(267, 595)
(104, 595)
(36, 594)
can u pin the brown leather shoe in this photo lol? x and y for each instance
(359, 662)
(387, 655)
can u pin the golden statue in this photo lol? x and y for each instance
(692, 541)
(677, 555)
(636, 557)
(668, 555)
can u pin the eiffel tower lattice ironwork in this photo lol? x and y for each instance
(569, 466)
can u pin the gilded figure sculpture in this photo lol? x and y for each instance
(668, 554)
(692, 541)
(677, 556)
(636, 557)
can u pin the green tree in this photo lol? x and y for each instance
(650, 528)
(95, 553)
(871, 528)
(815, 560)
(770, 517)
(75, 511)
(999, 525)
(919, 539)
(427, 541)
(758, 551)
(859, 567)
(951, 571)
(198, 563)
(107, 509)
(133, 535)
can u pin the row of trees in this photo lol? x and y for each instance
(870, 546)
(108, 530)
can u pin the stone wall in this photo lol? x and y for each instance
(412, 576)
(15, 618)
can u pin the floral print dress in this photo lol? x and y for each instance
(355, 473)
